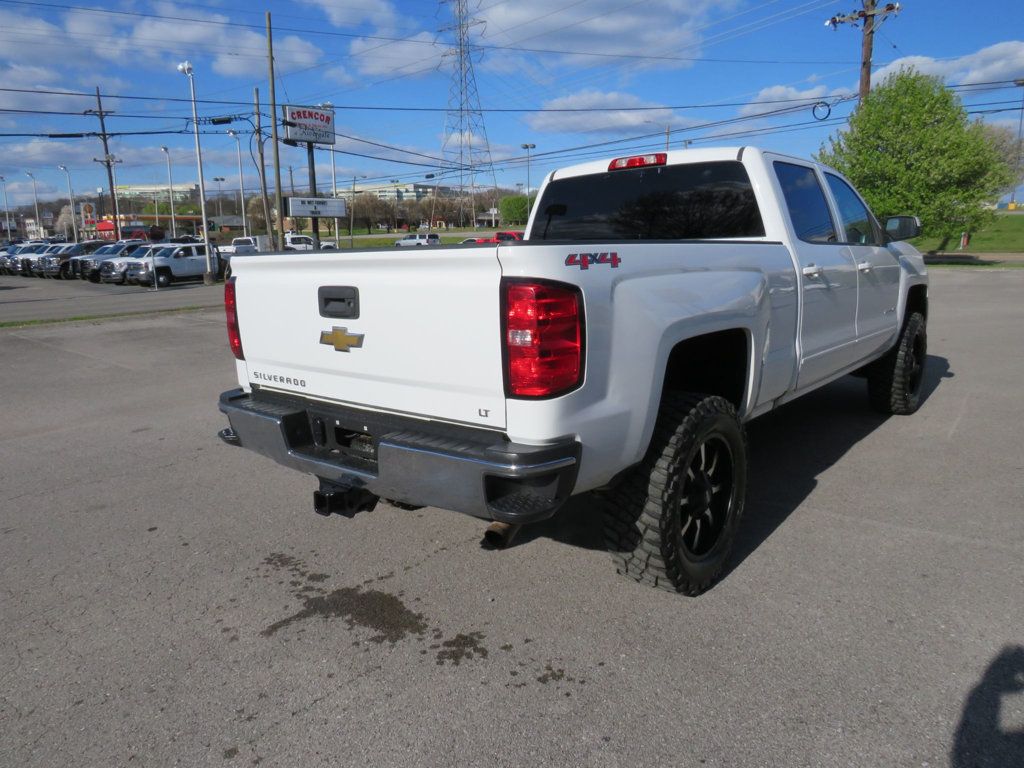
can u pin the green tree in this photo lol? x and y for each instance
(255, 214)
(514, 209)
(911, 149)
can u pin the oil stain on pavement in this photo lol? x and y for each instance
(392, 621)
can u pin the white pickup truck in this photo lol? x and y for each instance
(248, 244)
(656, 304)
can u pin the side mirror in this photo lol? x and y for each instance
(903, 227)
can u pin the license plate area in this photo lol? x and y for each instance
(346, 440)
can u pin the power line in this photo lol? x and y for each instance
(981, 85)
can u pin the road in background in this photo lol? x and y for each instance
(170, 600)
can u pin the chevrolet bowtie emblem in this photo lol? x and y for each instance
(341, 339)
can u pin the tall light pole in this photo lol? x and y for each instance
(352, 212)
(668, 130)
(433, 202)
(7, 208)
(35, 199)
(170, 191)
(186, 69)
(220, 199)
(528, 147)
(241, 185)
(1020, 125)
(71, 196)
(334, 175)
(334, 193)
(396, 182)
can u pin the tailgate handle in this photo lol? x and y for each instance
(341, 301)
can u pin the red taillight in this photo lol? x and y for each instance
(543, 338)
(231, 310)
(638, 161)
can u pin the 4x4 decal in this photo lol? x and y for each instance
(584, 260)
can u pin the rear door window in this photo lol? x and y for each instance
(674, 202)
(805, 199)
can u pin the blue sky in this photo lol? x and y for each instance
(620, 71)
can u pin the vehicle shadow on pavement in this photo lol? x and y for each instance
(791, 447)
(980, 740)
(788, 449)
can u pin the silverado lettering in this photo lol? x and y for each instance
(272, 377)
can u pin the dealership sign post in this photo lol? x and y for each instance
(311, 125)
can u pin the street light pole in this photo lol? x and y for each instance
(334, 192)
(1020, 125)
(241, 186)
(220, 196)
(35, 199)
(528, 147)
(170, 191)
(433, 202)
(352, 214)
(186, 69)
(7, 208)
(71, 196)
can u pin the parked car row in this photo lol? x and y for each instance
(432, 238)
(497, 237)
(121, 262)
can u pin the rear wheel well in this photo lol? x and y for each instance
(713, 364)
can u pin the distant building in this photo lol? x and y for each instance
(180, 192)
(398, 191)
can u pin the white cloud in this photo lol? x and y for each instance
(654, 27)
(380, 13)
(605, 114)
(419, 54)
(338, 74)
(777, 97)
(1002, 61)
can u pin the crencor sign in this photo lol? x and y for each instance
(309, 124)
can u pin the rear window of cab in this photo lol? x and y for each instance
(696, 201)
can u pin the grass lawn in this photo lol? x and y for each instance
(1004, 235)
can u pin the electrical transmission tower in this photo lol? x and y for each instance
(466, 150)
(871, 17)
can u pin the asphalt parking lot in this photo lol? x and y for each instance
(170, 600)
(31, 299)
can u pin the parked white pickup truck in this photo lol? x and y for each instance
(248, 244)
(656, 304)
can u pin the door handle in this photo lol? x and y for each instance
(811, 270)
(864, 266)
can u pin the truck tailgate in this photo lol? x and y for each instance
(425, 339)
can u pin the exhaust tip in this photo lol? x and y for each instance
(229, 436)
(500, 535)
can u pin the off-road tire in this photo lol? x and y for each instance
(894, 381)
(645, 524)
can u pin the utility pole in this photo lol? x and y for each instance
(870, 17)
(263, 167)
(107, 161)
(273, 131)
(311, 160)
(291, 179)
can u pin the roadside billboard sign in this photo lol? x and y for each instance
(316, 207)
(309, 124)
